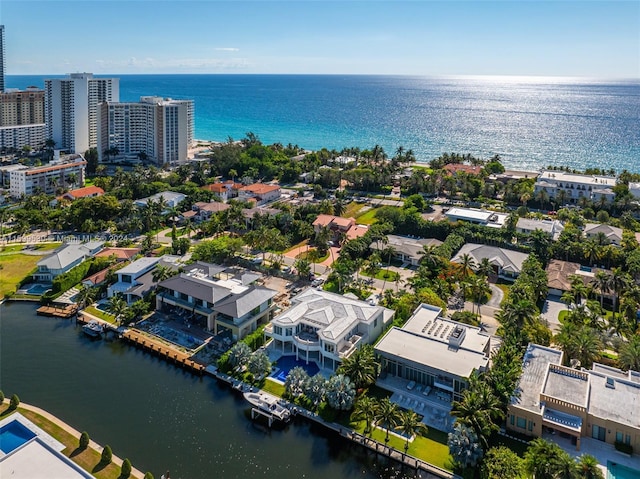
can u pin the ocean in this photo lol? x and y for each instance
(529, 122)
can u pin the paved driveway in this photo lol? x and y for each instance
(551, 309)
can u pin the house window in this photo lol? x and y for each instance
(375, 323)
(530, 428)
(288, 332)
(277, 330)
(627, 439)
(512, 420)
(521, 422)
(619, 436)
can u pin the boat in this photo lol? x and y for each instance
(268, 404)
(93, 328)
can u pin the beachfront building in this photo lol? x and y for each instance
(325, 327)
(552, 228)
(260, 193)
(47, 178)
(405, 249)
(22, 118)
(477, 217)
(71, 109)
(433, 355)
(224, 300)
(608, 234)
(134, 282)
(506, 263)
(568, 188)
(602, 403)
(65, 258)
(157, 129)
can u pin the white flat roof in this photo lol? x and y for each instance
(534, 372)
(138, 265)
(424, 339)
(36, 459)
(555, 175)
(480, 215)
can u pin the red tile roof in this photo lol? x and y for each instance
(84, 192)
(122, 254)
(260, 188)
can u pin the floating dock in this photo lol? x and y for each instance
(58, 311)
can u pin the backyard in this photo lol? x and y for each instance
(17, 265)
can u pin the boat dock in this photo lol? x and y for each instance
(174, 355)
(65, 311)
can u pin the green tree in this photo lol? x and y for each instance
(540, 459)
(409, 424)
(500, 463)
(629, 357)
(14, 402)
(365, 410)
(117, 306)
(361, 367)
(387, 416)
(107, 455)
(239, 355)
(303, 267)
(125, 469)
(464, 446)
(84, 440)
(148, 475)
(589, 468)
(340, 392)
(1, 397)
(295, 382)
(259, 364)
(315, 389)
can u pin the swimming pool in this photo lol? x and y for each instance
(618, 471)
(287, 363)
(39, 289)
(14, 435)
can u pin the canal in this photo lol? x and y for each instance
(159, 416)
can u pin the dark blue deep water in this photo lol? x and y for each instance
(530, 122)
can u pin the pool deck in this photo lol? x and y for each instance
(602, 451)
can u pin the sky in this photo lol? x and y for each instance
(596, 39)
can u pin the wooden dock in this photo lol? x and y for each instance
(174, 355)
(58, 311)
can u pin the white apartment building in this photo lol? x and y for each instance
(575, 186)
(71, 109)
(161, 128)
(47, 178)
(18, 136)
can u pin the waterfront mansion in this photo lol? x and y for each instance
(222, 298)
(326, 327)
(602, 403)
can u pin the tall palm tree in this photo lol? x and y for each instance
(602, 282)
(117, 306)
(430, 257)
(619, 281)
(540, 457)
(365, 410)
(518, 313)
(479, 409)
(387, 416)
(479, 289)
(361, 367)
(389, 252)
(484, 268)
(85, 296)
(467, 265)
(409, 424)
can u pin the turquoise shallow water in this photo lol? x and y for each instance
(530, 122)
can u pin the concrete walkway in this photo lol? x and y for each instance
(94, 445)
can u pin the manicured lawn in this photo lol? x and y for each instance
(305, 255)
(89, 459)
(352, 210)
(273, 387)
(92, 310)
(15, 267)
(383, 274)
(431, 448)
(562, 314)
(368, 218)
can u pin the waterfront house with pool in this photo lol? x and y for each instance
(65, 258)
(134, 280)
(221, 299)
(602, 403)
(325, 327)
(432, 356)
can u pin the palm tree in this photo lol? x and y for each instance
(564, 466)
(518, 313)
(161, 272)
(117, 306)
(484, 268)
(479, 409)
(479, 289)
(389, 252)
(387, 416)
(409, 424)
(592, 251)
(467, 265)
(540, 457)
(340, 392)
(629, 357)
(365, 410)
(602, 282)
(589, 468)
(619, 281)
(239, 355)
(295, 382)
(430, 257)
(361, 367)
(85, 296)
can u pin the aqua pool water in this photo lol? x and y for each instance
(14, 435)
